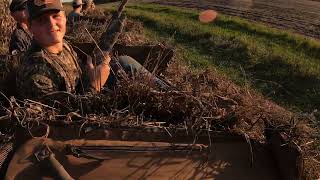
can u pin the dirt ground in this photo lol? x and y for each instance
(301, 16)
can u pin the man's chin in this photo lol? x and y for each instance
(55, 41)
(55, 38)
(51, 43)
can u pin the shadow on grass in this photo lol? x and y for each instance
(297, 89)
(286, 84)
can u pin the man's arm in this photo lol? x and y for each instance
(15, 44)
(19, 42)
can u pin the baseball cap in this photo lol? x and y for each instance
(38, 7)
(17, 5)
(77, 2)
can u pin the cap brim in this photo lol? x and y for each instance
(17, 6)
(44, 10)
(77, 4)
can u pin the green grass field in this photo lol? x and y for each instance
(282, 66)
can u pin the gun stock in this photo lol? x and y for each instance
(113, 29)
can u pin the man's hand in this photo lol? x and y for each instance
(98, 75)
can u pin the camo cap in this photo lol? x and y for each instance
(17, 5)
(38, 7)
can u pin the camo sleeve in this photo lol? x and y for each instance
(36, 79)
(20, 42)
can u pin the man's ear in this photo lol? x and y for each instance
(26, 12)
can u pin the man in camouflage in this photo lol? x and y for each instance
(20, 38)
(52, 65)
(76, 12)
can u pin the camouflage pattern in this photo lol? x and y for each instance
(20, 41)
(42, 72)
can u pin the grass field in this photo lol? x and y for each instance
(282, 66)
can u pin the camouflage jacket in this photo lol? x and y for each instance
(20, 41)
(42, 72)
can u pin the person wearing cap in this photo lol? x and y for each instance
(76, 12)
(88, 6)
(52, 65)
(20, 38)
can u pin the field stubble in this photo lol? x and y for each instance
(301, 16)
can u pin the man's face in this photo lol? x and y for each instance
(49, 28)
(20, 15)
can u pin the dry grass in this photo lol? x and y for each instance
(199, 100)
(132, 35)
(7, 25)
